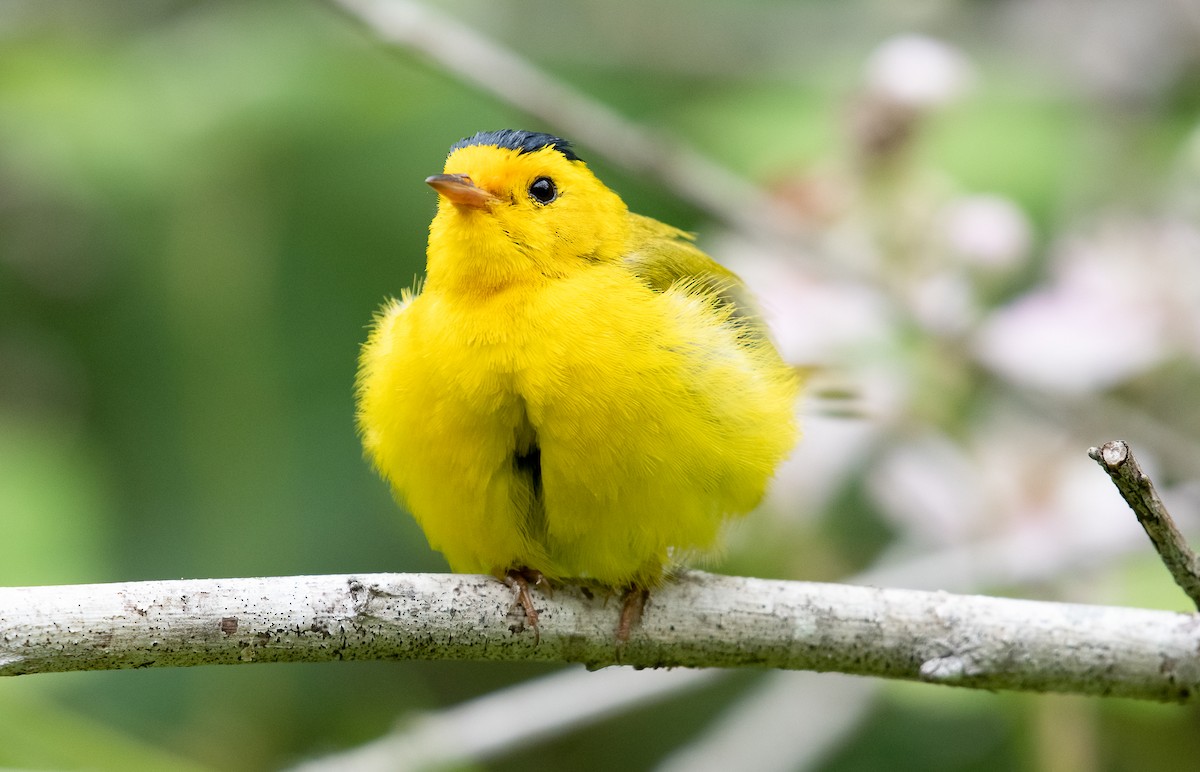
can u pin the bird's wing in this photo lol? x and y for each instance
(663, 257)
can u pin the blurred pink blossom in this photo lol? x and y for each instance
(1121, 299)
(918, 72)
(1009, 475)
(987, 231)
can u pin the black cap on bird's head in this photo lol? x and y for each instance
(521, 141)
(464, 191)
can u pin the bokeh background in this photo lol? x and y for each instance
(982, 239)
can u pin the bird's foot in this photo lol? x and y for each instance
(633, 603)
(520, 579)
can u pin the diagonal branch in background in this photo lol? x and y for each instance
(1116, 458)
(462, 736)
(501, 72)
(699, 620)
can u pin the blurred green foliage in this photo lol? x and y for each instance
(201, 205)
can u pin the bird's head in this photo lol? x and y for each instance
(517, 207)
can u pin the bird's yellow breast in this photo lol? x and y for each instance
(652, 416)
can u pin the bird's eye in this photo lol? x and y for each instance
(543, 190)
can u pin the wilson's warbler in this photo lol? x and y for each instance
(577, 392)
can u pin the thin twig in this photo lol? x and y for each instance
(698, 620)
(1135, 486)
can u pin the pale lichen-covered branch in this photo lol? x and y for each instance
(700, 620)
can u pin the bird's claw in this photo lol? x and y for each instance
(520, 578)
(633, 603)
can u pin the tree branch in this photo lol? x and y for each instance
(566, 699)
(1136, 488)
(699, 620)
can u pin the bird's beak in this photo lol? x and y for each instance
(459, 189)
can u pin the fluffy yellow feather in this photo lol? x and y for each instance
(576, 391)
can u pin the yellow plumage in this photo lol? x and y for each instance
(576, 390)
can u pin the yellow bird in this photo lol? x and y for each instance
(577, 391)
